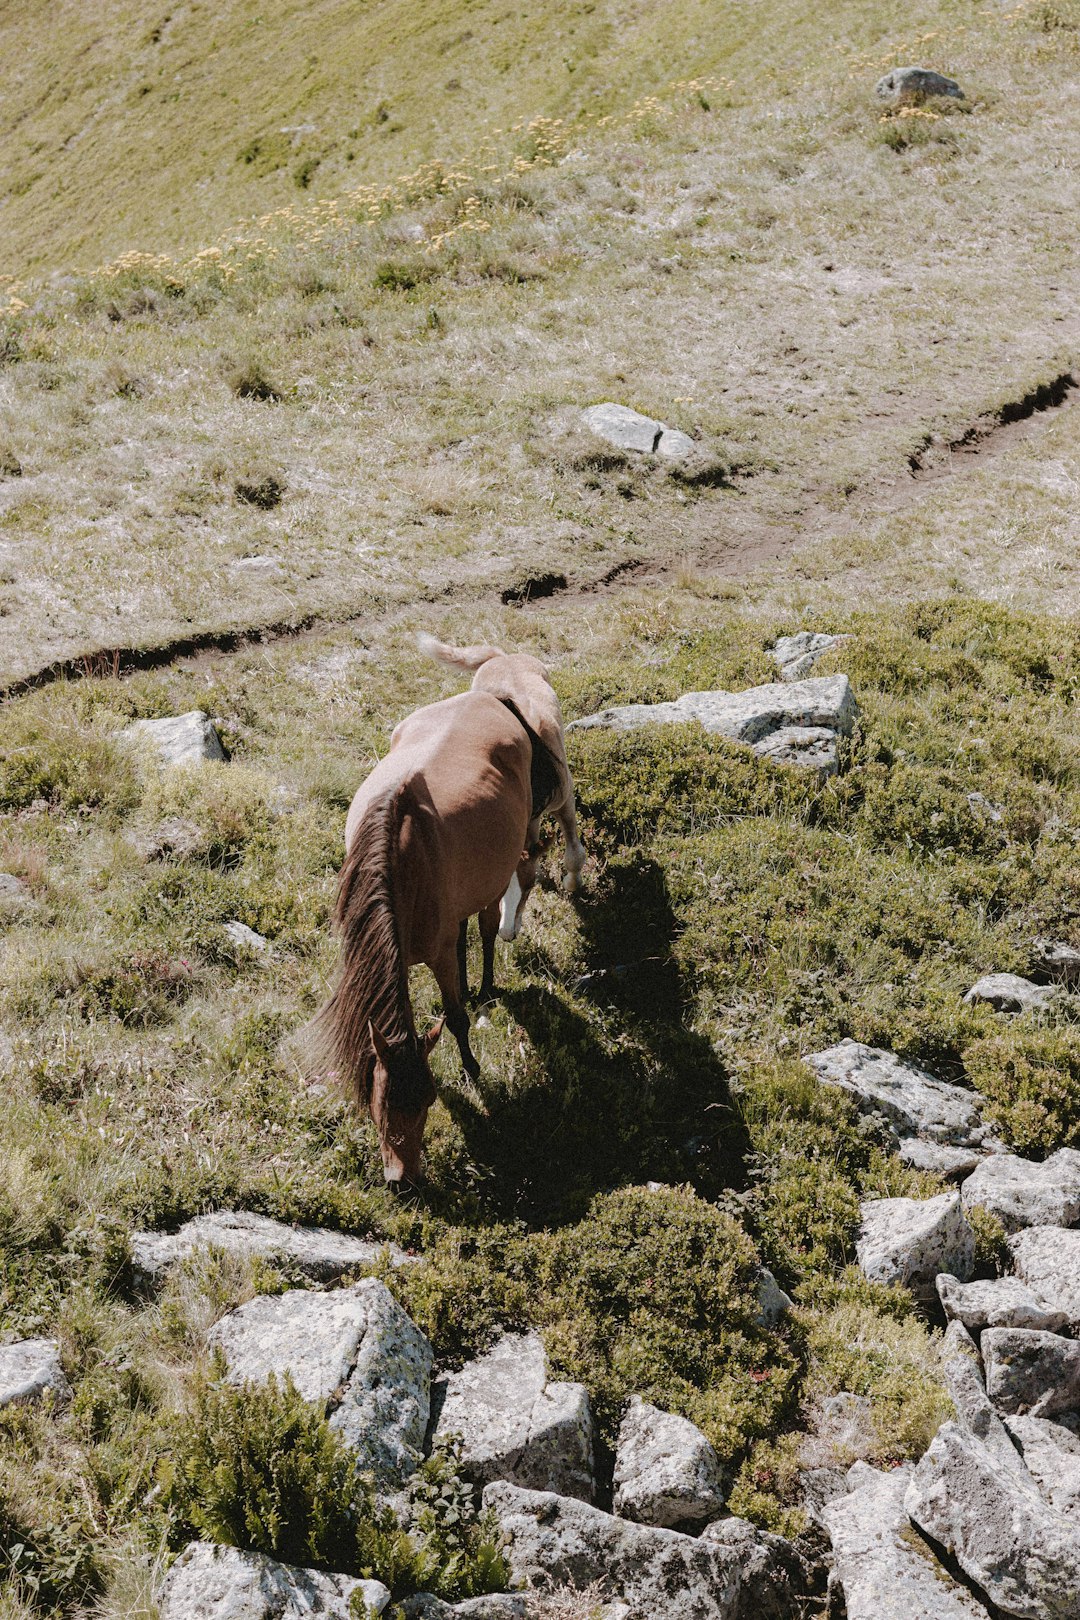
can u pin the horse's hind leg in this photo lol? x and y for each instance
(574, 853)
(489, 928)
(463, 959)
(448, 975)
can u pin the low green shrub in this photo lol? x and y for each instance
(1030, 1077)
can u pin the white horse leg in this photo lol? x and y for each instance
(574, 853)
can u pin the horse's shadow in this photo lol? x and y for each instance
(618, 1089)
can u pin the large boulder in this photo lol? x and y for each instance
(1017, 1549)
(222, 1583)
(796, 723)
(1051, 1453)
(629, 430)
(731, 1572)
(1021, 1192)
(909, 86)
(1048, 1260)
(309, 1251)
(1000, 1302)
(911, 1240)
(514, 1424)
(1009, 993)
(30, 1370)
(182, 739)
(355, 1352)
(666, 1471)
(1031, 1372)
(914, 1102)
(883, 1572)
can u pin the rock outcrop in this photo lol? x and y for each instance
(1029, 1372)
(182, 739)
(30, 1370)
(913, 1101)
(792, 724)
(222, 1583)
(355, 1352)
(516, 1425)
(1022, 1193)
(882, 1570)
(666, 1471)
(912, 1240)
(307, 1251)
(630, 430)
(1048, 1260)
(1002, 1302)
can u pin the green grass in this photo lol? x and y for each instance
(752, 915)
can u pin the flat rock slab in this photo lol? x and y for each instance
(1018, 1549)
(1029, 1372)
(313, 1252)
(31, 1369)
(796, 655)
(1021, 1192)
(939, 1158)
(1002, 1302)
(884, 1571)
(630, 430)
(908, 86)
(765, 717)
(914, 1102)
(666, 1471)
(493, 1606)
(1009, 993)
(1052, 1455)
(1048, 1260)
(556, 1541)
(514, 1424)
(911, 1240)
(208, 1582)
(182, 739)
(355, 1352)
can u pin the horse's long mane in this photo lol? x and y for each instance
(372, 983)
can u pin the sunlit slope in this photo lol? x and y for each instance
(133, 125)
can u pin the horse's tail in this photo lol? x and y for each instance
(338, 1041)
(456, 657)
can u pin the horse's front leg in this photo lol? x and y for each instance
(463, 959)
(448, 976)
(574, 853)
(489, 928)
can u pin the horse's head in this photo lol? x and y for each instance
(402, 1091)
(517, 895)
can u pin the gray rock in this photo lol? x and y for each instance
(773, 1303)
(1003, 1302)
(1009, 993)
(208, 1582)
(629, 430)
(962, 1368)
(1048, 1260)
(755, 716)
(355, 1352)
(951, 1163)
(309, 1251)
(810, 747)
(1051, 1453)
(911, 1240)
(908, 86)
(554, 1540)
(182, 739)
(31, 1369)
(796, 655)
(1017, 1549)
(247, 939)
(884, 1571)
(666, 1472)
(1021, 1192)
(1031, 1372)
(494, 1606)
(174, 836)
(912, 1101)
(14, 892)
(1059, 962)
(514, 1424)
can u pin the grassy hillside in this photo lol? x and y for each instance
(155, 127)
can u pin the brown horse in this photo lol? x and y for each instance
(433, 835)
(521, 680)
